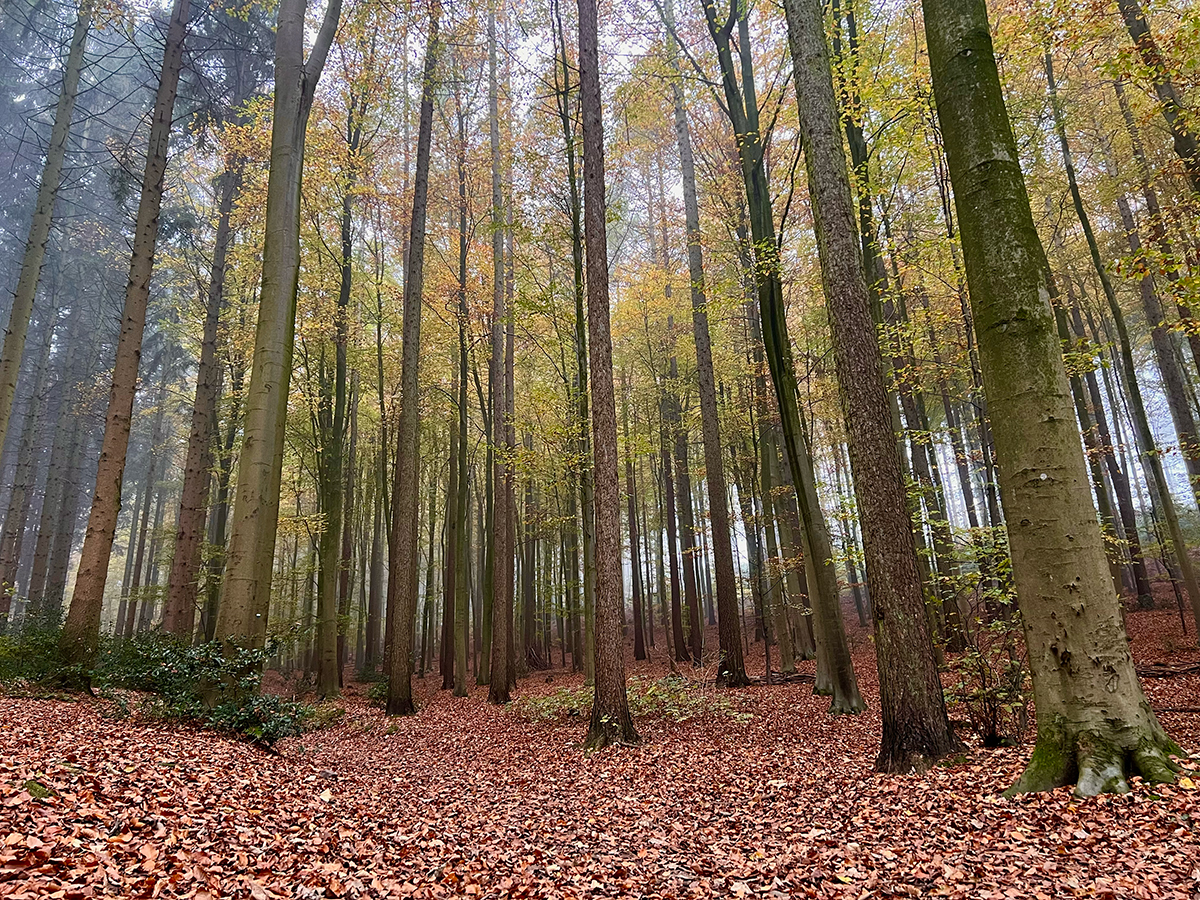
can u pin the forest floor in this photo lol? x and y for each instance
(762, 795)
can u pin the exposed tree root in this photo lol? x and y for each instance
(1164, 670)
(1096, 762)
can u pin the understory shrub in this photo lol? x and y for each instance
(990, 680)
(206, 685)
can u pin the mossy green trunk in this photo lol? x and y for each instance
(1094, 723)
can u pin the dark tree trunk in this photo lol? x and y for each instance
(611, 722)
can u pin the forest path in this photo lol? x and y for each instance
(470, 800)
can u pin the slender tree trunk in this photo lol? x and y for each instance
(611, 722)
(402, 576)
(916, 728)
(774, 610)
(1157, 223)
(430, 570)
(43, 215)
(742, 109)
(461, 560)
(1169, 96)
(13, 534)
(1094, 722)
(180, 616)
(246, 589)
(450, 562)
(1141, 421)
(220, 515)
(731, 668)
(82, 628)
(502, 554)
(681, 653)
(65, 439)
(635, 561)
(372, 650)
(346, 565)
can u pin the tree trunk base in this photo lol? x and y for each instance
(914, 751)
(499, 696)
(401, 706)
(841, 704)
(844, 697)
(604, 732)
(729, 679)
(1097, 761)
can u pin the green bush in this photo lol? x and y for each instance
(30, 656)
(990, 678)
(377, 694)
(207, 685)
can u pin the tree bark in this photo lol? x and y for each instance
(1094, 722)
(81, 630)
(611, 722)
(402, 575)
(246, 589)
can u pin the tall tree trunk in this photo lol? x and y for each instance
(731, 667)
(125, 627)
(13, 534)
(774, 609)
(1094, 722)
(372, 649)
(635, 561)
(583, 448)
(742, 109)
(64, 538)
(681, 653)
(1141, 421)
(43, 215)
(402, 576)
(346, 565)
(246, 589)
(1186, 146)
(180, 616)
(207, 628)
(61, 459)
(916, 729)
(502, 553)
(611, 722)
(529, 565)
(1157, 223)
(449, 655)
(81, 630)
(461, 560)
(1116, 474)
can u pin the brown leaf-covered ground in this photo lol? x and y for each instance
(468, 800)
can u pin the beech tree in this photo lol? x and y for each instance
(246, 589)
(1095, 725)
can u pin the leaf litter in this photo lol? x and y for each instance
(468, 800)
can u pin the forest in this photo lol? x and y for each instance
(664, 449)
